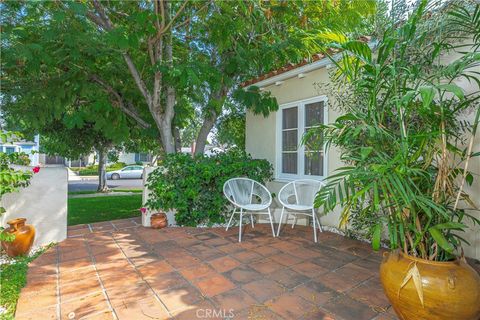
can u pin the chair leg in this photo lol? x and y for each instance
(294, 220)
(314, 226)
(319, 224)
(231, 218)
(271, 222)
(251, 220)
(240, 226)
(280, 222)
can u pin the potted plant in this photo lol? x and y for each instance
(18, 238)
(408, 153)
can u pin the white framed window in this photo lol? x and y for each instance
(295, 160)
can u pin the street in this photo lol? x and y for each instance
(92, 184)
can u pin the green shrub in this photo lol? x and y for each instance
(88, 171)
(92, 170)
(194, 186)
(116, 166)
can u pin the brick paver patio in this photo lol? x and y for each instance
(120, 270)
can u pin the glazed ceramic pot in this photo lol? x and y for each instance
(24, 236)
(158, 220)
(451, 290)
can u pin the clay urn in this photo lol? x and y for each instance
(24, 235)
(158, 220)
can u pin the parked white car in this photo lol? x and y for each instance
(129, 172)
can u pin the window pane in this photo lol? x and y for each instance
(289, 163)
(314, 114)
(315, 140)
(290, 118)
(314, 163)
(143, 157)
(9, 150)
(289, 140)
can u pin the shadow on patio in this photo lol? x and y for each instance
(121, 270)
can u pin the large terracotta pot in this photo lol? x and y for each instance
(158, 220)
(24, 236)
(451, 290)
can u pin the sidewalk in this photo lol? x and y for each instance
(73, 176)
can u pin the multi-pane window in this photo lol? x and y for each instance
(313, 155)
(290, 140)
(295, 159)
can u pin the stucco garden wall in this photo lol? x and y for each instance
(43, 203)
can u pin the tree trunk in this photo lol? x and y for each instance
(202, 136)
(210, 119)
(102, 170)
(178, 139)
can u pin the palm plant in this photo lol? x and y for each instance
(401, 136)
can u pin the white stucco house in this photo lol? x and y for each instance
(31, 148)
(304, 99)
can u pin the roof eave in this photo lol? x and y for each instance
(294, 72)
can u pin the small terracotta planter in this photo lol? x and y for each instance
(159, 220)
(24, 236)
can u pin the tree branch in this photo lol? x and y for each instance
(126, 108)
(102, 20)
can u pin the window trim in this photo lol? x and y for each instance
(300, 104)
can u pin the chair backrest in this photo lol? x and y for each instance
(300, 192)
(242, 191)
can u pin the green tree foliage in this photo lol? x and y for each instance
(114, 65)
(402, 136)
(193, 186)
(231, 130)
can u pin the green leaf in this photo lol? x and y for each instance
(453, 88)
(427, 94)
(469, 179)
(449, 225)
(365, 152)
(377, 233)
(441, 240)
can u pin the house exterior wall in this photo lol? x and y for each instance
(128, 158)
(261, 140)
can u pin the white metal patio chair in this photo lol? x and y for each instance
(248, 195)
(299, 196)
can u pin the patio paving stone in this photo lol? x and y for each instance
(200, 271)
(120, 270)
(213, 285)
(264, 289)
(266, 266)
(291, 306)
(246, 256)
(49, 313)
(224, 264)
(349, 309)
(235, 300)
(148, 308)
(345, 278)
(242, 275)
(84, 306)
(289, 278)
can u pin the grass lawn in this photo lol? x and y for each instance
(13, 278)
(113, 190)
(97, 209)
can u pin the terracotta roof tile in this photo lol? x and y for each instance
(291, 66)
